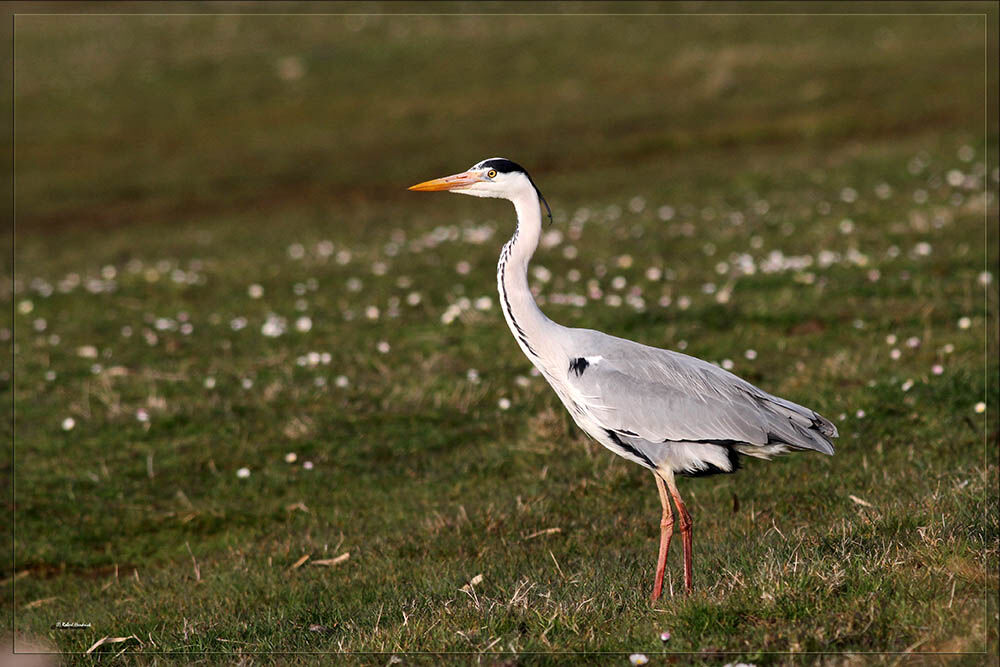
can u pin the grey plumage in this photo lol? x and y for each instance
(657, 400)
(661, 409)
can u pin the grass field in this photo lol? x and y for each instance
(264, 399)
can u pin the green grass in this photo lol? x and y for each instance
(168, 158)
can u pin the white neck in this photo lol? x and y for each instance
(531, 328)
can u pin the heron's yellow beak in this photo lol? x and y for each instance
(464, 179)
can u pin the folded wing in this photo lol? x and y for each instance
(663, 396)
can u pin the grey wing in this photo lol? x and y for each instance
(664, 396)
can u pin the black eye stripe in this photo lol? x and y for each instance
(503, 166)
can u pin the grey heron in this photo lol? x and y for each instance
(668, 412)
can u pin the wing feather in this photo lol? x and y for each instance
(660, 395)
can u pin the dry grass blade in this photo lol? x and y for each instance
(909, 649)
(40, 602)
(333, 561)
(557, 565)
(475, 581)
(16, 577)
(859, 501)
(546, 531)
(197, 570)
(109, 640)
(491, 644)
(181, 496)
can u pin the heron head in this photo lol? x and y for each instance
(495, 177)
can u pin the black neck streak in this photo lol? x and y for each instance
(502, 272)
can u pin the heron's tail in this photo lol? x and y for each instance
(797, 426)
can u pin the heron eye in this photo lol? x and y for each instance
(492, 173)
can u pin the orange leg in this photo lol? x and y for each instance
(685, 521)
(666, 531)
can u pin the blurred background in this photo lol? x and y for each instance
(240, 342)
